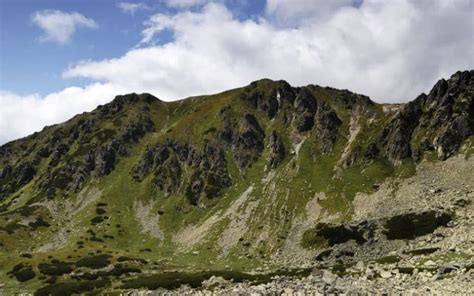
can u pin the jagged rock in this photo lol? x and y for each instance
(226, 134)
(59, 151)
(349, 99)
(106, 157)
(6, 171)
(151, 159)
(89, 159)
(305, 109)
(269, 105)
(83, 128)
(448, 117)
(168, 175)
(268, 101)
(134, 131)
(209, 175)
(248, 142)
(25, 172)
(353, 156)
(44, 152)
(372, 151)
(277, 150)
(396, 136)
(328, 124)
(119, 101)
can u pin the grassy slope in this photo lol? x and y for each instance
(298, 179)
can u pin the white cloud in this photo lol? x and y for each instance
(23, 115)
(297, 12)
(59, 26)
(390, 50)
(131, 8)
(185, 3)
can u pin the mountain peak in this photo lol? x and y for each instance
(229, 176)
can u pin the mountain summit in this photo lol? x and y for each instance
(258, 178)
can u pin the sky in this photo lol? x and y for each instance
(59, 58)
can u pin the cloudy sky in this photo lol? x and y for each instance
(59, 58)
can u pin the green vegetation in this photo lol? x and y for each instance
(83, 209)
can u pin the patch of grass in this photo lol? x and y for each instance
(388, 259)
(70, 288)
(95, 262)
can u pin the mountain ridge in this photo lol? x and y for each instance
(255, 177)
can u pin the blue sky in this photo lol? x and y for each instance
(29, 65)
(62, 57)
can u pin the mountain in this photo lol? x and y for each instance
(258, 181)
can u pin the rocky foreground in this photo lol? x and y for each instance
(371, 279)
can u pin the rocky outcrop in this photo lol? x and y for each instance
(268, 96)
(439, 121)
(277, 150)
(13, 178)
(208, 174)
(247, 144)
(120, 101)
(58, 152)
(305, 109)
(106, 157)
(396, 136)
(450, 113)
(328, 124)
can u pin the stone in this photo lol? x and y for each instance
(385, 274)
(328, 277)
(430, 263)
(446, 268)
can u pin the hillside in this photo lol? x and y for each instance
(261, 180)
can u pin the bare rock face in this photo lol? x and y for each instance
(210, 175)
(451, 104)
(396, 136)
(305, 109)
(208, 170)
(269, 101)
(442, 120)
(277, 150)
(328, 124)
(248, 142)
(11, 178)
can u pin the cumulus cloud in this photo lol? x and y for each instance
(298, 12)
(131, 8)
(23, 115)
(59, 26)
(390, 50)
(185, 3)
